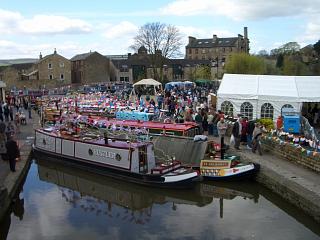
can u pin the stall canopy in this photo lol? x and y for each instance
(147, 81)
(261, 89)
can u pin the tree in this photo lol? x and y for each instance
(263, 53)
(203, 72)
(242, 63)
(316, 47)
(161, 41)
(294, 67)
(279, 63)
(286, 49)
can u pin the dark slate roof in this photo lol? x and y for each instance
(81, 56)
(209, 43)
(189, 62)
(146, 62)
(19, 66)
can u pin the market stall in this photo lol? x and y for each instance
(146, 89)
(264, 96)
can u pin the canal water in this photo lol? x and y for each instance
(63, 202)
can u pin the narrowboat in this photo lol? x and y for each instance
(117, 158)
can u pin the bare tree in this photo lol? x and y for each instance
(161, 41)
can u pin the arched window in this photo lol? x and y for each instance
(267, 111)
(286, 106)
(227, 108)
(246, 110)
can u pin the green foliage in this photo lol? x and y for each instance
(294, 67)
(267, 123)
(241, 63)
(316, 47)
(203, 72)
(280, 60)
(286, 49)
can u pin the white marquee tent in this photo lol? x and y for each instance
(266, 95)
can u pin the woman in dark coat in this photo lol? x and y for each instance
(13, 152)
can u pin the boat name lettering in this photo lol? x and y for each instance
(215, 164)
(102, 153)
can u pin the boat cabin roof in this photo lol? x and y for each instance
(148, 124)
(116, 143)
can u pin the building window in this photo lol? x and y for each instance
(227, 108)
(61, 64)
(50, 77)
(223, 49)
(246, 110)
(267, 111)
(231, 49)
(49, 66)
(203, 57)
(203, 51)
(124, 68)
(190, 51)
(287, 106)
(197, 50)
(61, 77)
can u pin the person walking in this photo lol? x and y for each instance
(6, 112)
(13, 152)
(222, 129)
(236, 132)
(210, 123)
(257, 133)
(11, 107)
(29, 110)
(1, 112)
(251, 125)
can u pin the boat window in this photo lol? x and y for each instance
(143, 160)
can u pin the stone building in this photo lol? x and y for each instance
(50, 71)
(217, 49)
(16, 75)
(90, 68)
(137, 66)
(54, 70)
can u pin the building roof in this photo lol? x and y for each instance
(266, 88)
(209, 43)
(19, 66)
(81, 56)
(146, 62)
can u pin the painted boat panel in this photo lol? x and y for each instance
(103, 154)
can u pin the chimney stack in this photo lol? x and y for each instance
(55, 51)
(191, 39)
(40, 56)
(245, 32)
(214, 38)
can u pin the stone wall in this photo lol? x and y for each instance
(292, 153)
(59, 69)
(96, 69)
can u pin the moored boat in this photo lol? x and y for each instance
(228, 168)
(121, 159)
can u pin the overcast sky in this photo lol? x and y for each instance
(77, 26)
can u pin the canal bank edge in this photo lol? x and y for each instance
(285, 183)
(14, 180)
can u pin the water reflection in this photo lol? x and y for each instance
(99, 194)
(16, 208)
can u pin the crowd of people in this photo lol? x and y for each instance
(11, 117)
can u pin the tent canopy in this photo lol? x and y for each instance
(270, 88)
(147, 81)
(262, 91)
